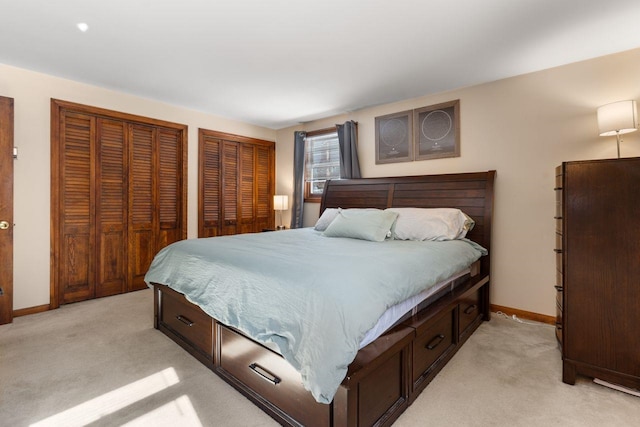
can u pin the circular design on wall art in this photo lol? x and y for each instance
(436, 125)
(393, 133)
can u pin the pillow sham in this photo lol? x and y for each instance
(431, 224)
(326, 218)
(365, 224)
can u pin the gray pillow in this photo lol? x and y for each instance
(326, 218)
(366, 224)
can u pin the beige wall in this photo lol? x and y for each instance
(32, 93)
(522, 127)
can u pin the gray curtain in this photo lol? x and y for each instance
(297, 205)
(348, 141)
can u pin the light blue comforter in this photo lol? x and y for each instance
(315, 297)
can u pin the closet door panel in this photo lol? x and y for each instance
(230, 186)
(264, 180)
(76, 274)
(76, 208)
(111, 202)
(209, 186)
(170, 184)
(141, 204)
(247, 189)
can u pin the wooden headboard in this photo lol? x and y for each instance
(470, 192)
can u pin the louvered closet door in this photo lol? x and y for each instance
(117, 197)
(247, 193)
(76, 208)
(169, 187)
(156, 181)
(142, 220)
(111, 202)
(209, 209)
(264, 187)
(230, 187)
(235, 184)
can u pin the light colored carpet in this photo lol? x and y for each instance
(101, 363)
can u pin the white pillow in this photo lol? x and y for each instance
(431, 224)
(366, 224)
(325, 219)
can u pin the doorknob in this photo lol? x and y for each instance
(4, 225)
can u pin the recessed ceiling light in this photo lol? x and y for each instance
(82, 26)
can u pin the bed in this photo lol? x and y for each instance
(386, 373)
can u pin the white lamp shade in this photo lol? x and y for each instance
(280, 203)
(617, 118)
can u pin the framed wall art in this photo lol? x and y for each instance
(394, 137)
(437, 131)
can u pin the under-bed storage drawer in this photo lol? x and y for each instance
(187, 320)
(270, 376)
(469, 311)
(433, 341)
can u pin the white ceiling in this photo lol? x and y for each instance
(276, 63)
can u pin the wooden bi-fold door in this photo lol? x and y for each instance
(236, 184)
(118, 196)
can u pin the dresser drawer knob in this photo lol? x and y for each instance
(264, 374)
(184, 320)
(434, 342)
(470, 309)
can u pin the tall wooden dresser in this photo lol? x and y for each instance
(598, 269)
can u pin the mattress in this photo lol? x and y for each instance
(409, 307)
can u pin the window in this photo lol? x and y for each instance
(322, 162)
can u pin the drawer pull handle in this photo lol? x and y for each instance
(264, 374)
(434, 342)
(558, 288)
(184, 320)
(470, 309)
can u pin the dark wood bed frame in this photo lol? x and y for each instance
(386, 375)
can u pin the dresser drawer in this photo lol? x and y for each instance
(558, 241)
(559, 290)
(469, 311)
(187, 320)
(558, 214)
(432, 343)
(270, 376)
(559, 176)
(559, 211)
(558, 259)
(559, 278)
(559, 323)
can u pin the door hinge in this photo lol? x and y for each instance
(15, 152)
